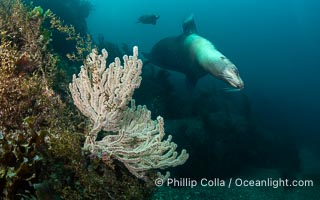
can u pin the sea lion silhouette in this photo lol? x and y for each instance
(193, 55)
(148, 19)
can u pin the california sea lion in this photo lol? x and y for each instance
(148, 19)
(194, 56)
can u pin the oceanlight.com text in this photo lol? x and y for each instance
(233, 182)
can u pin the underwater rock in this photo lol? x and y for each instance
(228, 121)
(215, 142)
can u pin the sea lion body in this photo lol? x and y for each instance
(176, 57)
(195, 56)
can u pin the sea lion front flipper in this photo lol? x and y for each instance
(189, 25)
(146, 56)
(191, 82)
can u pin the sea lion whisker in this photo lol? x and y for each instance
(231, 89)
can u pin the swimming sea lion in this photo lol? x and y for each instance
(148, 19)
(194, 56)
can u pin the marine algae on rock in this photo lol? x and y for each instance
(41, 133)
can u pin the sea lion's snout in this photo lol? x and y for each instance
(229, 73)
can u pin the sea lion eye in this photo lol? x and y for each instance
(235, 70)
(222, 57)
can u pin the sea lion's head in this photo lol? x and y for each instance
(213, 61)
(222, 68)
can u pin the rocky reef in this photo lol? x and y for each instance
(41, 132)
